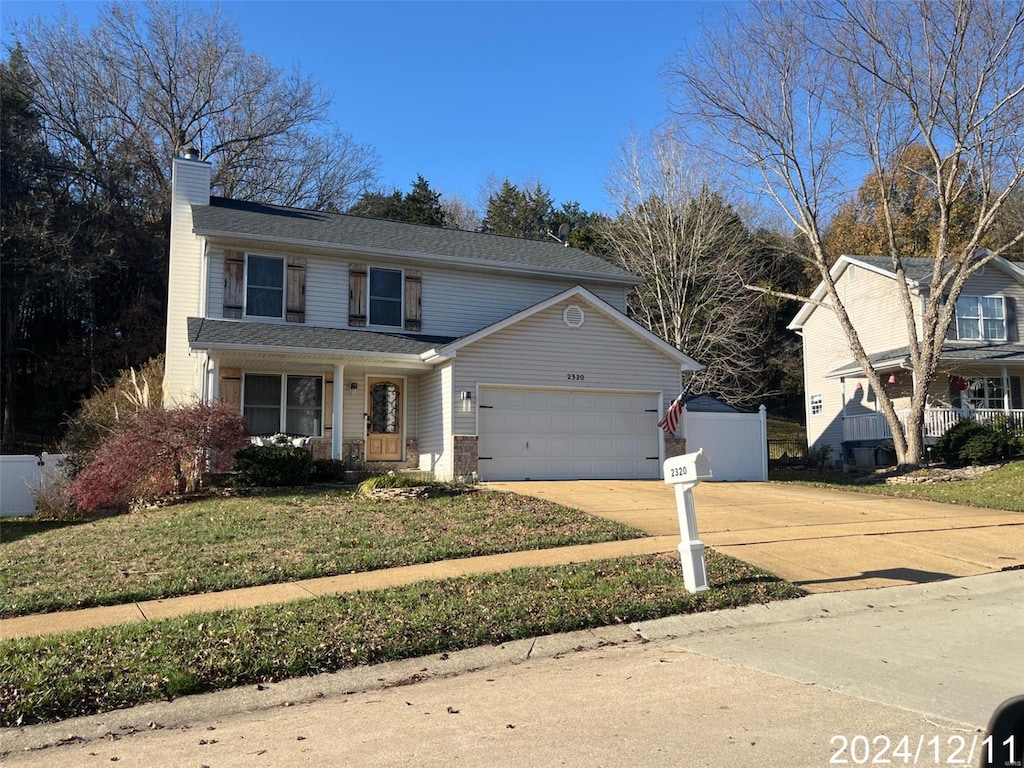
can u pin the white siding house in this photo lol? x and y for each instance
(980, 370)
(399, 343)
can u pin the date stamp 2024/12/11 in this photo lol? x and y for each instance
(922, 750)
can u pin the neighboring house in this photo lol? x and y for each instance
(979, 373)
(454, 352)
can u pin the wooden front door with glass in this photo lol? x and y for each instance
(384, 419)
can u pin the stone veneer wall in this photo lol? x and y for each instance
(352, 451)
(320, 447)
(674, 446)
(466, 455)
(412, 452)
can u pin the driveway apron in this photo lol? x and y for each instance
(824, 540)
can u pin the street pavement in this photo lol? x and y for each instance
(907, 674)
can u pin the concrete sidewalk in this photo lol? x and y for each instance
(152, 610)
(824, 540)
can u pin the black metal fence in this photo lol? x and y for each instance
(786, 453)
(29, 443)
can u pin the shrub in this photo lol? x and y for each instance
(159, 451)
(272, 466)
(969, 442)
(52, 497)
(328, 471)
(132, 391)
(1012, 431)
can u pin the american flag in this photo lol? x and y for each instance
(670, 420)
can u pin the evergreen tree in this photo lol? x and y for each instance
(421, 205)
(519, 213)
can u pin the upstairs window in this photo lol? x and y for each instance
(981, 318)
(264, 286)
(385, 297)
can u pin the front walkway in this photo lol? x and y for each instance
(153, 610)
(821, 539)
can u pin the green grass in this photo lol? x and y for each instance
(222, 544)
(56, 677)
(780, 428)
(1001, 488)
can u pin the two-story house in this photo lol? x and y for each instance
(451, 351)
(980, 369)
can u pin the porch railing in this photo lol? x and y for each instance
(936, 422)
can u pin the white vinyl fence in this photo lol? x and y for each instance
(736, 443)
(20, 476)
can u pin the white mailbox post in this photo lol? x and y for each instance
(684, 472)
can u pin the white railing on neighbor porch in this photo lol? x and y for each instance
(936, 422)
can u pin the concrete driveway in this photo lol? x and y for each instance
(823, 540)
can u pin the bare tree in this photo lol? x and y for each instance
(801, 94)
(150, 79)
(674, 229)
(459, 214)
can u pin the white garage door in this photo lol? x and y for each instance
(547, 434)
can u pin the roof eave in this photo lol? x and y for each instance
(278, 349)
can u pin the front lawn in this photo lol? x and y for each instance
(1001, 488)
(228, 543)
(60, 676)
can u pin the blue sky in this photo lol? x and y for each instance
(460, 91)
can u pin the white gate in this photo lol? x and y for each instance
(736, 443)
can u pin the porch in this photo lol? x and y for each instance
(936, 421)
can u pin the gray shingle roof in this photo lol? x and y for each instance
(952, 352)
(204, 333)
(276, 223)
(917, 268)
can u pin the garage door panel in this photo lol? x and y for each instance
(555, 434)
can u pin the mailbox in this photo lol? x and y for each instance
(688, 468)
(684, 472)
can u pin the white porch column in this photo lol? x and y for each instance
(1006, 389)
(336, 426)
(212, 380)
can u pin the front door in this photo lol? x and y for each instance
(384, 419)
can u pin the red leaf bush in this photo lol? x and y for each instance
(160, 451)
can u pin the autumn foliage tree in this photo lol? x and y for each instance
(903, 191)
(160, 451)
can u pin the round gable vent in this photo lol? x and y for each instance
(573, 316)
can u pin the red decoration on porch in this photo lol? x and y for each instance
(959, 383)
(892, 378)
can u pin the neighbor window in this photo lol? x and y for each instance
(264, 286)
(275, 403)
(984, 393)
(980, 317)
(817, 404)
(385, 296)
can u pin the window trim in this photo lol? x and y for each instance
(282, 414)
(369, 297)
(981, 319)
(284, 286)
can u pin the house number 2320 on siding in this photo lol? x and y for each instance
(574, 376)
